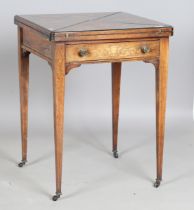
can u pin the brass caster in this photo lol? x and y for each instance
(115, 154)
(56, 197)
(157, 183)
(22, 163)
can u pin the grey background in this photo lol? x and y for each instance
(92, 178)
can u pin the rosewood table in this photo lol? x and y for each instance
(68, 40)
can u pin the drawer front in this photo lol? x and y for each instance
(111, 51)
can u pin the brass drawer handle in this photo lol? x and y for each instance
(83, 52)
(145, 49)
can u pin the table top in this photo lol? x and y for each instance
(53, 24)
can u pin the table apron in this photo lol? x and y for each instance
(86, 52)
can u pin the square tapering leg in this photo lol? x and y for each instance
(58, 67)
(161, 89)
(23, 61)
(116, 78)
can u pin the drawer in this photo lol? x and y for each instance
(111, 51)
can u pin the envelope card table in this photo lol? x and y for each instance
(66, 41)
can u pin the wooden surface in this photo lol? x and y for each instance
(112, 51)
(23, 63)
(36, 42)
(161, 91)
(69, 40)
(116, 80)
(58, 66)
(61, 27)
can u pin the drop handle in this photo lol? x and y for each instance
(83, 52)
(145, 49)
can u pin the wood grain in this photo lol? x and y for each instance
(116, 78)
(112, 35)
(58, 65)
(161, 90)
(111, 51)
(37, 42)
(94, 26)
(23, 61)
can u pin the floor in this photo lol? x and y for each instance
(92, 178)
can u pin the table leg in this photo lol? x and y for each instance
(58, 66)
(161, 89)
(116, 78)
(23, 61)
